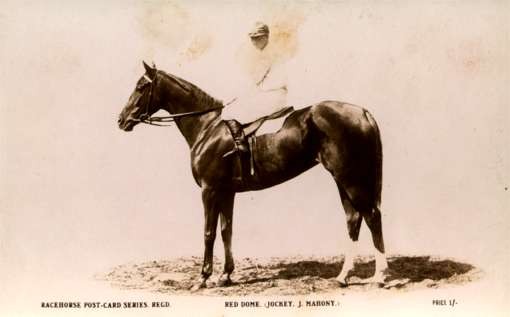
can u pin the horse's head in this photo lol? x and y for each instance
(142, 102)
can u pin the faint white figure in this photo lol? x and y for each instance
(262, 86)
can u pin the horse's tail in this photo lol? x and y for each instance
(379, 159)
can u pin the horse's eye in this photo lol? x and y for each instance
(141, 85)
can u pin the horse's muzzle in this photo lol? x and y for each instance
(125, 125)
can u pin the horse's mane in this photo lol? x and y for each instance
(199, 96)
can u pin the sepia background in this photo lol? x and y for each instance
(78, 195)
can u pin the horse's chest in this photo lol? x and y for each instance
(209, 168)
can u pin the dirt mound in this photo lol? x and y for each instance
(289, 276)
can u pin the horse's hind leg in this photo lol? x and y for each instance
(353, 218)
(373, 220)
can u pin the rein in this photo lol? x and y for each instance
(160, 121)
(171, 118)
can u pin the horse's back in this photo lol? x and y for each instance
(342, 115)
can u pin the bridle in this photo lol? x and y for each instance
(160, 121)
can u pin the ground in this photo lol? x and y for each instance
(289, 276)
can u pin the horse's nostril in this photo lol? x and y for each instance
(119, 120)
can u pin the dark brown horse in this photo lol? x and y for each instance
(344, 138)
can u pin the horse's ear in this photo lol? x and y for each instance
(151, 71)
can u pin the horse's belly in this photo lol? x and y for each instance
(266, 179)
(279, 160)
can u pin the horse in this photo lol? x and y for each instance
(342, 137)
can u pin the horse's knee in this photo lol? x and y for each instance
(209, 237)
(226, 232)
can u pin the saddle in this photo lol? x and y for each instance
(243, 135)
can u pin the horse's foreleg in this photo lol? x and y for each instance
(226, 215)
(211, 212)
(373, 220)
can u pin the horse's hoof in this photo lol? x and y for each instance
(379, 284)
(342, 282)
(377, 280)
(198, 286)
(224, 281)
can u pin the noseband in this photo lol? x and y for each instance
(160, 121)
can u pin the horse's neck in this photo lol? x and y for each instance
(192, 127)
(182, 102)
